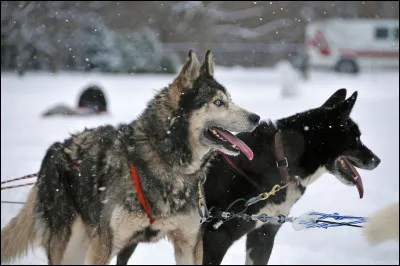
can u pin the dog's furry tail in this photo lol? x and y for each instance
(19, 234)
(383, 225)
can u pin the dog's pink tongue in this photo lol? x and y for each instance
(239, 144)
(357, 179)
(360, 187)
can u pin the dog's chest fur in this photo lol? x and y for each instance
(293, 194)
(174, 197)
(135, 227)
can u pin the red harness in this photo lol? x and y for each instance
(141, 197)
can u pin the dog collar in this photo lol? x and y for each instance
(281, 160)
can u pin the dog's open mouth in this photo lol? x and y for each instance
(228, 141)
(347, 169)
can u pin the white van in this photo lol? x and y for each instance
(351, 45)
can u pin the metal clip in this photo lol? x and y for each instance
(203, 220)
(266, 195)
(281, 219)
(284, 161)
(218, 224)
(225, 215)
(253, 200)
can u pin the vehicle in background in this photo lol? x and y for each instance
(353, 45)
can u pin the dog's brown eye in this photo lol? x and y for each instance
(218, 103)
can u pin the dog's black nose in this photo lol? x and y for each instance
(376, 161)
(372, 162)
(254, 118)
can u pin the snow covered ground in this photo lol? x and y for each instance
(25, 136)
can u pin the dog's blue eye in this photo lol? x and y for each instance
(218, 103)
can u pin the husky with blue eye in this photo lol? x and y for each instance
(109, 187)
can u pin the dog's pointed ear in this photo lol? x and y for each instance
(191, 68)
(336, 98)
(189, 73)
(346, 106)
(207, 68)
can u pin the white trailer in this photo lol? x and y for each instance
(353, 45)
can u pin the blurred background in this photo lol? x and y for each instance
(154, 36)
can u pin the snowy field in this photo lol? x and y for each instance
(25, 136)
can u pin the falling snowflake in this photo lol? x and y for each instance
(104, 201)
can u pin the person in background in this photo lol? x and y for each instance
(92, 101)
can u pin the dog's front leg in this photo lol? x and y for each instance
(125, 254)
(198, 249)
(259, 244)
(188, 247)
(100, 247)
